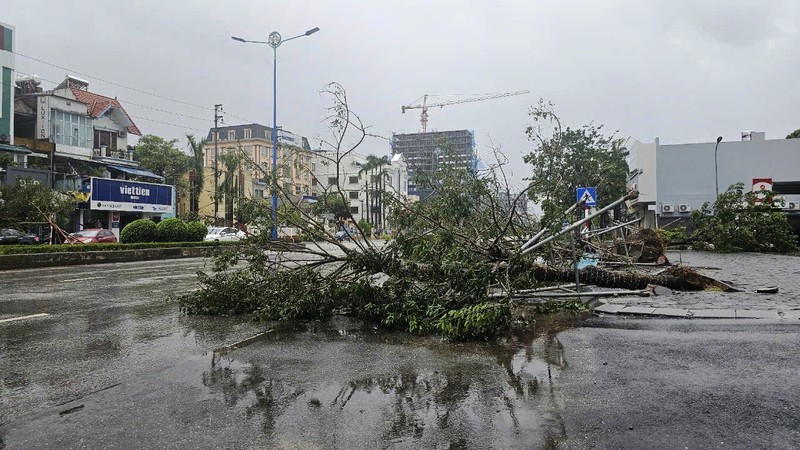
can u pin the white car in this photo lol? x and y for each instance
(224, 234)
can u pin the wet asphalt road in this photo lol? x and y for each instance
(116, 365)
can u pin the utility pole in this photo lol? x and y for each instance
(217, 119)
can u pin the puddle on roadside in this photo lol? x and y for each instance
(347, 384)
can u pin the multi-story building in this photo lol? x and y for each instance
(357, 179)
(84, 138)
(6, 79)
(425, 152)
(675, 179)
(252, 143)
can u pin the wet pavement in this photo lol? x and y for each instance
(745, 271)
(114, 364)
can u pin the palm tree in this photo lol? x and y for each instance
(367, 169)
(196, 180)
(378, 190)
(230, 183)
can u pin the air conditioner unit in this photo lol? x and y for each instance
(792, 205)
(97, 152)
(667, 208)
(684, 208)
(122, 134)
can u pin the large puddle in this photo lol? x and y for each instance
(346, 385)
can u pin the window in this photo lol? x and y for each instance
(389, 179)
(71, 129)
(267, 134)
(331, 181)
(263, 151)
(231, 135)
(107, 139)
(313, 166)
(297, 189)
(353, 195)
(247, 133)
(353, 180)
(259, 193)
(354, 210)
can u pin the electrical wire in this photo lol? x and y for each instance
(110, 82)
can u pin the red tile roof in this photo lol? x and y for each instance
(97, 103)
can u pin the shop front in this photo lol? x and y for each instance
(115, 203)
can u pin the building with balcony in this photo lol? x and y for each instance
(251, 144)
(83, 136)
(362, 184)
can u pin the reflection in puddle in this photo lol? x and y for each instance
(346, 386)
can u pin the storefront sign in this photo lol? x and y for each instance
(43, 118)
(133, 196)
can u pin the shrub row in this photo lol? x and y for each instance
(63, 248)
(168, 230)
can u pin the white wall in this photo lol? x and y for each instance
(643, 158)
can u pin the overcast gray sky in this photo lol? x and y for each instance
(683, 70)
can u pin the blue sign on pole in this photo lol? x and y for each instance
(588, 195)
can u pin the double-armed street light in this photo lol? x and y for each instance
(274, 40)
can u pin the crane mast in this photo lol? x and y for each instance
(424, 105)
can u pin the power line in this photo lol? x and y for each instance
(110, 82)
(143, 106)
(167, 123)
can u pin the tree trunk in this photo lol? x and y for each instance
(676, 278)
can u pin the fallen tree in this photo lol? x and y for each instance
(435, 275)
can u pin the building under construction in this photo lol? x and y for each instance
(425, 152)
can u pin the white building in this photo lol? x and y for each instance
(358, 185)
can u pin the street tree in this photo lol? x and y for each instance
(196, 174)
(29, 201)
(794, 134)
(453, 266)
(740, 221)
(163, 158)
(566, 158)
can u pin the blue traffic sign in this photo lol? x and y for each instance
(588, 195)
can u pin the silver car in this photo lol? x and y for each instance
(224, 234)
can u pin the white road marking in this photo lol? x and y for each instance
(81, 279)
(32, 316)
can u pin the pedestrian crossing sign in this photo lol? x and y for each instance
(588, 195)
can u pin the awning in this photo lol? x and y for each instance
(14, 149)
(137, 172)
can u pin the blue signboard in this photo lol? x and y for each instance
(133, 196)
(588, 195)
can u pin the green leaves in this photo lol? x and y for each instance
(742, 222)
(565, 158)
(162, 158)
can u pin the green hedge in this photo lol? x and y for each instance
(171, 230)
(196, 231)
(142, 230)
(62, 248)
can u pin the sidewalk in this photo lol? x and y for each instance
(745, 271)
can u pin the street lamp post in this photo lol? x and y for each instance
(274, 40)
(716, 171)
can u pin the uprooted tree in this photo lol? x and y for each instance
(452, 266)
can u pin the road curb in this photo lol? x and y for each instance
(688, 313)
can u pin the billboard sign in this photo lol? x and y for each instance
(131, 196)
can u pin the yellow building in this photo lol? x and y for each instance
(252, 145)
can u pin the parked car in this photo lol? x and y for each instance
(12, 236)
(92, 236)
(224, 234)
(342, 236)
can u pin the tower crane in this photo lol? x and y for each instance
(424, 106)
